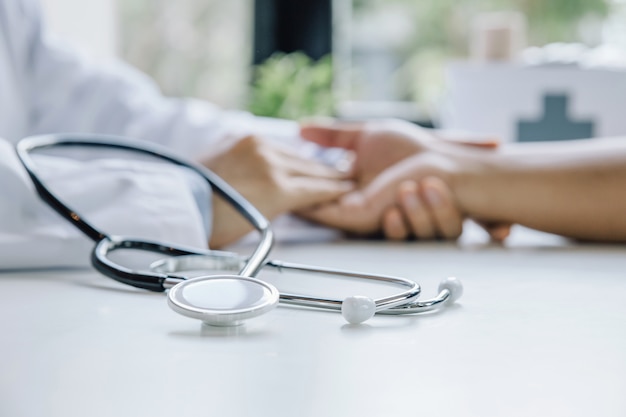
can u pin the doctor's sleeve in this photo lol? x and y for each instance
(69, 91)
(117, 197)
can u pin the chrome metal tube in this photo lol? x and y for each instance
(384, 303)
(419, 306)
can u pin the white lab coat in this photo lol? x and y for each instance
(45, 86)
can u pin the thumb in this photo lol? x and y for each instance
(350, 213)
(305, 192)
(359, 212)
(498, 232)
(337, 135)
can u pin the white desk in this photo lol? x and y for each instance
(540, 331)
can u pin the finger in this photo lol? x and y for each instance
(447, 218)
(291, 161)
(296, 165)
(338, 135)
(415, 211)
(304, 192)
(350, 213)
(333, 215)
(498, 231)
(360, 211)
(394, 226)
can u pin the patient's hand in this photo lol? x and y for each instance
(427, 209)
(274, 179)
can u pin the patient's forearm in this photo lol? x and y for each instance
(576, 189)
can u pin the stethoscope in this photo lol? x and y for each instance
(221, 300)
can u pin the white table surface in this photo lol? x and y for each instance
(540, 331)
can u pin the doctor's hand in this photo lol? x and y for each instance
(424, 208)
(427, 210)
(275, 179)
(379, 144)
(416, 191)
(375, 145)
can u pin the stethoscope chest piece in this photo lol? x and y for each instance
(223, 300)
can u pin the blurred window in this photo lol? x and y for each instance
(394, 51)
(388, 55)
(198, 48)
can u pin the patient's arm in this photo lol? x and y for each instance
(574, 188)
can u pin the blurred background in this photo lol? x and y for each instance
(553, 69)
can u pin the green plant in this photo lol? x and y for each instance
(292, 86)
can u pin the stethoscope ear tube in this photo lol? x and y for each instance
(245, 208)
(147, 280)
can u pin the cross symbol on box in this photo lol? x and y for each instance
(554, 124)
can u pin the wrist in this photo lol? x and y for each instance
(474, 179)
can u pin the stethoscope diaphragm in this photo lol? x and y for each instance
(223, 300)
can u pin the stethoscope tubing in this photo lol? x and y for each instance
(30, 144)
(228, 261)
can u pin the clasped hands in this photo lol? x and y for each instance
(406, 181)
(401, 183)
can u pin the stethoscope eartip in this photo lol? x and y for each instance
(358, 309)
(454, 286)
